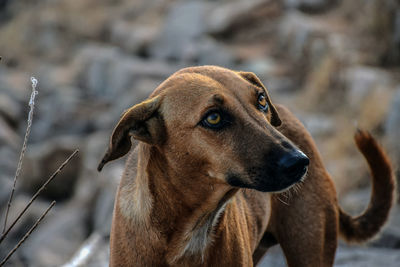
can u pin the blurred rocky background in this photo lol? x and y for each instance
(334, 63)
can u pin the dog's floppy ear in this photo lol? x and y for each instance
(252, 78)
(141, 122)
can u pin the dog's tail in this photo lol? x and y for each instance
(369, 223)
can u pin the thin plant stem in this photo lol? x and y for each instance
(37, 193)
(27, 234)
(21, 156)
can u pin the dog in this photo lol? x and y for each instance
(204, 185)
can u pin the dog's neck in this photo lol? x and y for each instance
(186, 219)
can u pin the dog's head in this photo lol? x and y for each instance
(214, 122)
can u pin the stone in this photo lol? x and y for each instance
(43, 160)
(318, 124)
(296, 32)
(102, 193)
(8, 136)
(392, 126)
(273, 257)
(362, 80)
(356, 256)
(58, 113)
(16, 84)
(311, 6)
(271, 73)
(6, 184)
(10, 110)
(94, 252)
(94, 63)
(184, 25)
(235, 18)
(29, 218)
(207, 51)
(58, 236)
(131, 37)
(346, 256)
(108, 72)
(9, 161)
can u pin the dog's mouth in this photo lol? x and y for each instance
(280, 176)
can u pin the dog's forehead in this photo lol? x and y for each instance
(195, 88)
(192, 92)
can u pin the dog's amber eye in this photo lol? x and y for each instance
(262, 102)
(214, 118)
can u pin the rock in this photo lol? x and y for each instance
(95, 63)
(131, 37)
(104, 205)
(10, 110)
(26, 221)
(8, 137)
(107, 72)
(209, 52)
(43, 160)
(365, 87)
(241, 19)
(58, 236)
(10, 143)
(3, 5)
(94, 147)
(182, 38)
(94, 252)
(300, 36)
(140, 91)
(183, 26)
(379, 22)
(103, 191)
(8, 162)
(392, 126)
(356, 256)
(16, 84)
(311, 6)
(362, 80)
(5, 189)
(346, 256)
(273, 257)
(319, 124)
(273, 74)
(56, 113)
(53, 78)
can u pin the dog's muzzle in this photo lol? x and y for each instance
(279, 171)
(293, 166)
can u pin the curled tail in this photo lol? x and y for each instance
(365, 226)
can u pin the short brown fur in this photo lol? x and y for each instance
(175, 205)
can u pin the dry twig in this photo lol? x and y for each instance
(27, 234)
(38, 192)
(21, 157)
(19, 167)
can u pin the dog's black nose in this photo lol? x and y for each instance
(294, 165)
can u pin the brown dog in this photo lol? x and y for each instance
(202, 187)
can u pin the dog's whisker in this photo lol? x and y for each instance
(286, 195)
(287, 204)
(296, 189)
